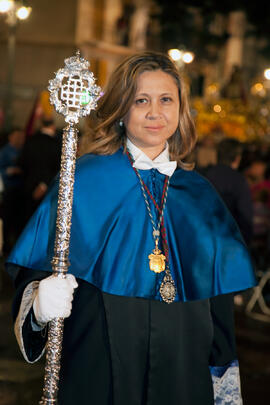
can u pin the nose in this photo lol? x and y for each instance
(154, 111)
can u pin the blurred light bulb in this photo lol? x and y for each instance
(212, 89)
(258, 86)
(5, 5)
(258, 89)
(217, 108)
(188, 57)
(267, 74)
(23, 12)
(175, 54)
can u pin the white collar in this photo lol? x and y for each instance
(162, 162)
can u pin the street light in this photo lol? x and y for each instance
(5, 6)
(23, 13)
(175, 54)
(13, 10)
(181, 57)
(267, 74)
(188, 57)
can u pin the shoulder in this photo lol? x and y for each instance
(190, 178)
(91, 163)
(199, 200)
(102, 177)
(31, 142)
(222, 170)
(196, 190)
(103, 169)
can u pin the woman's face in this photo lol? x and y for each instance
(154, 115)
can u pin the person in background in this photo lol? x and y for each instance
(12, 194)
(256, 174)
(9, 153)
(232, 185)
(258, 177)
(39, 162)
(206, 153)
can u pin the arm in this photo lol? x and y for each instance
(31, 342)
(224, 366)
(31, 338)
(40, 302)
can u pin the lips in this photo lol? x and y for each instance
(155, 128)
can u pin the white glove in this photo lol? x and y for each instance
(54, 298)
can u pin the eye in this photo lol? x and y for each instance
(166, 99)
(140, 101)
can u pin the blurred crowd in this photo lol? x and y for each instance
(27, 167)
(241, 174)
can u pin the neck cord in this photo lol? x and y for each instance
(144, 188)
(156, 228)
(157, 259)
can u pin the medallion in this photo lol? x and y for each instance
(167, 289)
(157, 260)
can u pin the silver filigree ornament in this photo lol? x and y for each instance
(73, 91)
(167, 288)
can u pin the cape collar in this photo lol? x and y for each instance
(162, 162)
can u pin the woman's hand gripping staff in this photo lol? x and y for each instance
(54, 298)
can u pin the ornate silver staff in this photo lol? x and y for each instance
(74, 94)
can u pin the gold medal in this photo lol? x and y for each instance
(157, 260)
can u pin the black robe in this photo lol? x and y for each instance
(123, 350)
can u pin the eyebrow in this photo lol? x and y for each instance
(146, 94)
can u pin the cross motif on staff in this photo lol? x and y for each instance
(75, 94)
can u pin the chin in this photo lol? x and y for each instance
(155, 140)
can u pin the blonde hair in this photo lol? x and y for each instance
(107, 135)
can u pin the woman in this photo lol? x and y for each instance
(155, 254)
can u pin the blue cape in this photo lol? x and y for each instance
(111, 233)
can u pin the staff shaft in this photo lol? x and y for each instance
(60, 261)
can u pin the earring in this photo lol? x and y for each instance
(121, 124)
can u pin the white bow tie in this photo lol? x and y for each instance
(166, 168)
